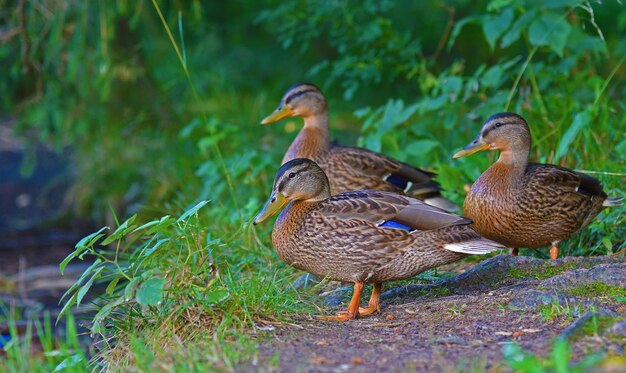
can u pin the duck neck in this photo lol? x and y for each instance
(312, 140)
(514, 161)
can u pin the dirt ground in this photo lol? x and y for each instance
(466, 326)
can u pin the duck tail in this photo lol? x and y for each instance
(612, 201)
(476, 246)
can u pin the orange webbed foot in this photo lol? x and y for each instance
(341, 316)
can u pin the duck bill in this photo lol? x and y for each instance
(273, 205)
(475, 146)
(278, 114)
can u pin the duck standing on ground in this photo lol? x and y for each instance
(349, 168)
(363, 236)
(522, 204)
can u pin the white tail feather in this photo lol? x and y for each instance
(612, 201)
(479, 246)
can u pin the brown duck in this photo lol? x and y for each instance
(363, 236)
(349, 168)
(521, 204)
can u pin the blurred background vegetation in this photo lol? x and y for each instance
(414, 80)
(158, 102)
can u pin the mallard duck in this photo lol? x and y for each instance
(349, 168)
(363, 236)
(521, 204)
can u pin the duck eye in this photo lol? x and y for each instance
(292, 175)
(498, 124)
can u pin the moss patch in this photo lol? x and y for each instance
(596, 289)
(548, 269)
(543, 272)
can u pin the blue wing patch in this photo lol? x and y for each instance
(397, 181)
(4, 339)
(395, 224)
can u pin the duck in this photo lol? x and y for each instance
(530, 205)
(349, 168)
(363, 236)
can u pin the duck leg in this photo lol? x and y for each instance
(514, 251)
(374, 303)
(353, 309)
(554, 252)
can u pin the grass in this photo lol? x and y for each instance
(555, 310)
(456, 310)
(177, 298)
(37, 347)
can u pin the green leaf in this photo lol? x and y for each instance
(192, 211)
(419, 148)
(581, 120)
(492, 76)
(160, 242)
(548, 4)
(89, 240)
(561, 354)
(498, 4)
(151, 292)
(82, 245)
(69, 362)
(495, 25)
(155, 225)
(606, 241)
(452, 84)
(515, 31)
(86, 272)
(121, 231)
(85, 288)
(70, 302)
(456, 30)
(216, 296)
(111, 286)
(519, 361)
(130, 287)
(550, 30)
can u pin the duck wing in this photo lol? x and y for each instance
(351, 168)
(386, 209)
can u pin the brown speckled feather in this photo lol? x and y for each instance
(350, 168)
(363, 236)
(546, 204)
(523, 204)
(339, 238)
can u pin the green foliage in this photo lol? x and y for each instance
(169, 273)
(558, 361)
